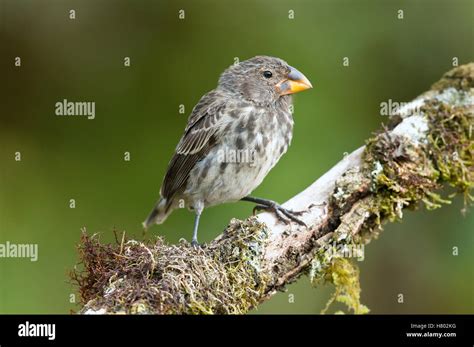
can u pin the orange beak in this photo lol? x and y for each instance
(294, 83)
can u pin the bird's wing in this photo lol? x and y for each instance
(198, 139)
(202, 123)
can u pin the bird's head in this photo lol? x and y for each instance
(263, 80)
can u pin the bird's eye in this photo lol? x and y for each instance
(267, 74)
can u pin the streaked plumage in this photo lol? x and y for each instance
(249, 112)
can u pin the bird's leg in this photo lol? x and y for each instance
(194, 241)
(282, 213)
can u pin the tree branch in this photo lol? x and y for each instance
(425, 145)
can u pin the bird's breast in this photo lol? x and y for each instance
(250, 144)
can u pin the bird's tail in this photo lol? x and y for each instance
(159, 213)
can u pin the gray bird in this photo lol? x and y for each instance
(234, 136)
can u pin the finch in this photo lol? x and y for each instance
(234, 136)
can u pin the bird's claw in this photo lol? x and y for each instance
(257, 208)
(195, 244)
(284, 215)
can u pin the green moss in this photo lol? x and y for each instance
(344, 275)
(452, 148)
(409, 173)
(460, 78)
(223, 277)
(329, 266)
(399, 173)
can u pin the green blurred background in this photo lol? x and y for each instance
(176, 61)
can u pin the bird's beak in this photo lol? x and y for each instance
(294, 83)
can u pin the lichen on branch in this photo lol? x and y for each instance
(155, 277)
(426, 147)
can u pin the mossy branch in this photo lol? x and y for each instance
(426, 145)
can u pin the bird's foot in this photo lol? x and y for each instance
(283, 214)
(324, 203)
(195, 244)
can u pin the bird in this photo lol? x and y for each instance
(234, 136)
